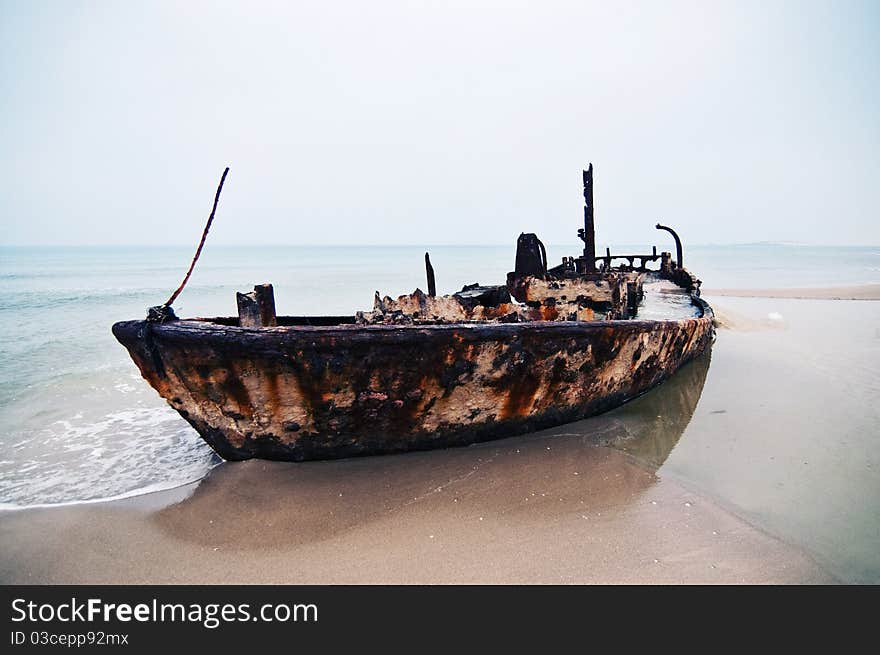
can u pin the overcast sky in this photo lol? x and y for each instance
(438, 123)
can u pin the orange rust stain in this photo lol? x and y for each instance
(497, 312)
(548, 313)
(234, 388)
(586, 314)
(308, 391)
(414, 398)
(520, 398)
(453, 354)
(272, 389)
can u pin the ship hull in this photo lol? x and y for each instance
(304, 392)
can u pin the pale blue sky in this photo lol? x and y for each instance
(414, 122)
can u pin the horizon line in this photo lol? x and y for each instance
(794, 244)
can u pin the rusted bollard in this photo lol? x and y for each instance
(257, 308)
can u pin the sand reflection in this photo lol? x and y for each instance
(585, 468)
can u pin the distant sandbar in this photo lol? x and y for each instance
(858, 292)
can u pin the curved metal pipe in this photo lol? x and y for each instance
(678, 256)
(543, 256)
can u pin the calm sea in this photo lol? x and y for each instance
(77, 423)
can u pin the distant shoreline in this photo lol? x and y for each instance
(855, 292)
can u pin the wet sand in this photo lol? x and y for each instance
(787, 425)
(547, 510)
(577, 504)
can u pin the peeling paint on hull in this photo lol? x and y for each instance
(302, 392)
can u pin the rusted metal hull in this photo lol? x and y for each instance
(301, 392)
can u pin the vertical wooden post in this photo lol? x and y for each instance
(257, 308)
(432, 287)
(265, 295)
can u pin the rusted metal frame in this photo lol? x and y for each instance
(305, 353)
(588, 233)
(643, 259)
(197, 333)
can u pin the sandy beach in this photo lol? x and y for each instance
(543, 509)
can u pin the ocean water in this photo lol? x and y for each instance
(77, 423)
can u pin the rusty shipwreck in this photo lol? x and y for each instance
(550, 346)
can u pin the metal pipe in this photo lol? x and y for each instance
(678, 256)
